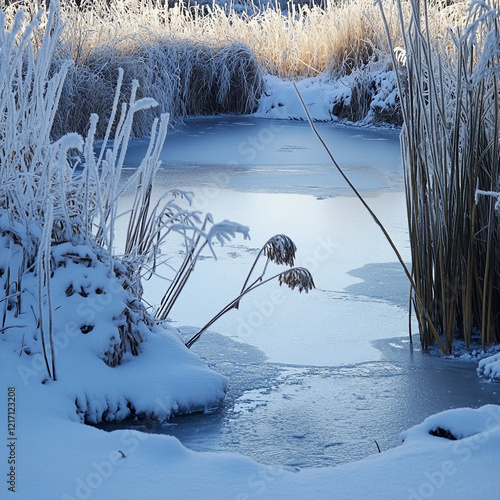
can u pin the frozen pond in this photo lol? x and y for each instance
(314, 379)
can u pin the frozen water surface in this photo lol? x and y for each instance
(314, 379)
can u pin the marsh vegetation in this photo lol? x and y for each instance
(212, 58)
(451, 148)
(195, 60)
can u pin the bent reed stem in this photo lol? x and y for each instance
(379, 224)
(235, 302)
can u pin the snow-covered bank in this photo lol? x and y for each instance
(364, 97)
(90, 308)
(490, 366)
(56, 458)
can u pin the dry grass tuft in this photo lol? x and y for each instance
(280, 249)
(298, 277)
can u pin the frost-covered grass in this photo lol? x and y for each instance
(185, 77)
(48, 198)
(210, 59)
(289, 39)
(451, 148)
(59, 205)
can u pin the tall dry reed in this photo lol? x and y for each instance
(451, 147)
(51, 195)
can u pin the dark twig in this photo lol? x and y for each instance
(377, 221)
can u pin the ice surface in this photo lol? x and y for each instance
(66, 460)
(333, 232)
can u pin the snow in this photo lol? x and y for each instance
(90, 304)
(490, 366)
(330, 99)
(61, 458)
(280, 99)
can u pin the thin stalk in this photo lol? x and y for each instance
(182, 275)
(377, 221)
(234, 304)
(252, 269)
(41, 315)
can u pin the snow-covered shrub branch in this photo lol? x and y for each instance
(451, 147)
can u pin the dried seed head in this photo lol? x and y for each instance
(280, 249)
(298, 277)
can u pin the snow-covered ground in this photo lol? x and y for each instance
(51, 456)
(366, 97)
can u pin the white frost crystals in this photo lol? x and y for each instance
(70, 308)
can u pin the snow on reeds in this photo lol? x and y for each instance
(298, 40)
(60, 194)
(211, 59)
(61, 185)
(451, 148)
(60, 206)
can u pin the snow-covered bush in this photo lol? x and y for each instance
(55, 192)
(48, 196)
(185, 77)
(59, 204)
(369, 96)
(451, 148)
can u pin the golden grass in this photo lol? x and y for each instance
(301, 42)
(205, 61)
